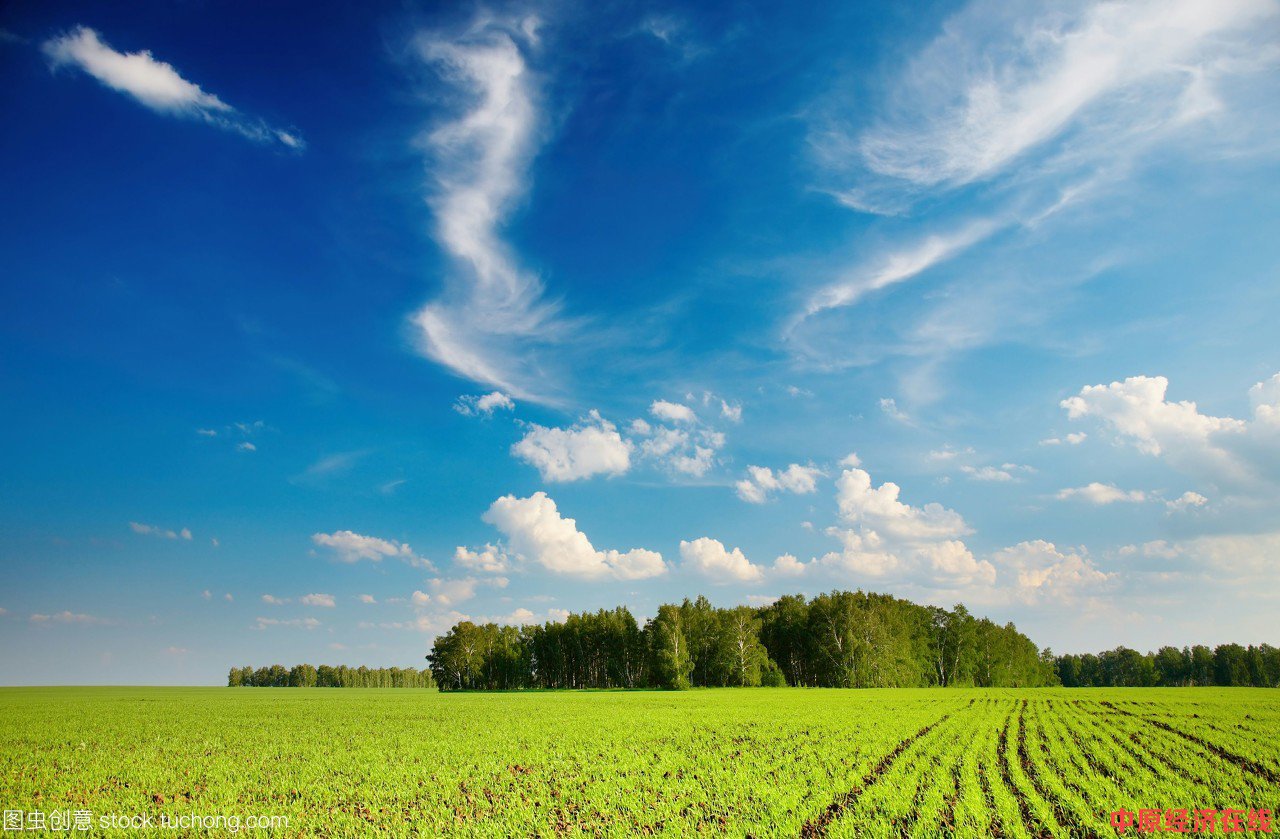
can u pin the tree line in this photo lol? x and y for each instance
(1227, 665)
(324, 676)
(840, 639)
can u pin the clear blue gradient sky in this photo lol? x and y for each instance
(324, 327)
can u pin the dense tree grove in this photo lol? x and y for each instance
(841, 639)
(324, 676)
(1227, 665)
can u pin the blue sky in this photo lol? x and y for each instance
(321, 331)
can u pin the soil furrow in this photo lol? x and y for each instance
(818, 826)
(1251, 766)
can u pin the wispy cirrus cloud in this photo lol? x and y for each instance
(1017, 115)
(158, 86)
(492, 311)
(1003, 81)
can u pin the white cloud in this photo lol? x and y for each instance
(325, 600)
(207, 432)
(452, 592)
(879, 509)
(151, 530)
(992, 88)
(689, 449)
(1045, 573)
(246, 446)
(898, 267)
(536, 532)
(954, 562)
(890, 408)
(68, 617)
(710, 558)
(272, 600)
(733, 413)
(1073, 439)
(489, 559)
(1221, 449)
(863, 552)
(761, 481)
(367, 598)
(493, 309)
(946, 453)
(672, 411)
(206, 595)
(884, 536)
(787, 565)
(1098, 493)
(472, 406)
(302, 623)
(1186, 501)
(353, 547)
(590, 447)
(987, 473)
(156, 85)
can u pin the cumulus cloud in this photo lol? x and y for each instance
(367, 598)
(325, 600)
(1044, 573)
(489, 559)
(733, 413)
(272, 600)
(474, 406)
(679, 441)
(160, 532)
(536, 532)
(492, 313)
(351, 547)
(672, 411)
(590, 447)
(157, 85)
(1098, 493)
(787, 565)
(952, 561)
(882, 536)
(1186, 501)
(710, 558)
(452, 592)
(1228, 451)
(761, 482)
(879, 509)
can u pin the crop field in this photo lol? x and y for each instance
(745, 762)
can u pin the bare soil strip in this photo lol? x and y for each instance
(817, 827)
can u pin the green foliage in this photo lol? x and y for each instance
(1228, 665)
(841, 639)
(307, 676)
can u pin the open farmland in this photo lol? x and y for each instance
(763, 762)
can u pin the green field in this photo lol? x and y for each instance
(759, 762)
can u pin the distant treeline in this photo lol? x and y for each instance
(1227, 665)
(324, 676)
(841, 639)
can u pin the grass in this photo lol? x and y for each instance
(743, 762)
